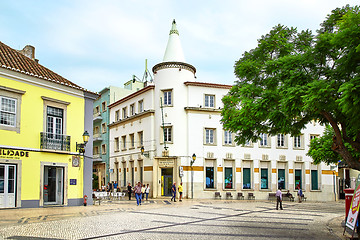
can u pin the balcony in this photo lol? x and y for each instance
(97, 137)
(56, 142)
(97, 117)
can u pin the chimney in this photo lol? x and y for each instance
(29, 51)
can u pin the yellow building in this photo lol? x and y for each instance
(42, 119)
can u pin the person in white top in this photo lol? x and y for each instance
(278, 199)
(147, 191)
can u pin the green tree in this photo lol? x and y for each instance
(292, 78)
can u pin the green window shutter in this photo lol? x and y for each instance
(298, 178)
(314, 180)
(264, 178)
(281, 178)
(246, 178)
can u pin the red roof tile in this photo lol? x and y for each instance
(13, 60)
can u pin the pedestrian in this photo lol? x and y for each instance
(129, 189)
(300, 194)
(142, 191)
(115, 186)
(173, 191)
(147, 191)
(278, 195)
(180, 188)
(137, 191)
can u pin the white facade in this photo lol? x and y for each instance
(189, 123)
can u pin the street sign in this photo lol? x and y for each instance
(181, 171)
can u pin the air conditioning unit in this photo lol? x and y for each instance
(265, 157)
(282, 158)
(210, 155)
(229, 155)
(299, 158)
(247, 156)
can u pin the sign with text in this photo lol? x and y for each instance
(354, 207)
(166, 162)
(13, 153)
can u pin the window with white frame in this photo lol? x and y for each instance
(132, 141)
(141, 139)
(123, 142)
(117, 115)
(8, 111)
(116, 144)
(210, 136)
(299, 142)
(132, 109)
(167, 134)
(167, 97)
(264, 140)
(124, 112)
(281, 141)
(141, 106)
(228, 138)
(209, 101)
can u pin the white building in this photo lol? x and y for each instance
(176, 116)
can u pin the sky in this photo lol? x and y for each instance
(96, 44)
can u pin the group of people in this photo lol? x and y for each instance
(278, 196)
(140, 192)
(173, 191)
(110, 187)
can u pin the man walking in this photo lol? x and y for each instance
(138, 193)
(173, 191)
(278, 199)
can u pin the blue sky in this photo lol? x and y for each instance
(100, 43)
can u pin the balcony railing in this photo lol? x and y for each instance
(54, 141)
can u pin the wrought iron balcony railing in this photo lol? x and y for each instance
(54, 141)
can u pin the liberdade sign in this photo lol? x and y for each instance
(354, 207)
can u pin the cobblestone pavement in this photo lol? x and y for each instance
(161, 219)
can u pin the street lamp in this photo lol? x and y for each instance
(81, 146)
(192, 175)
(142, 149)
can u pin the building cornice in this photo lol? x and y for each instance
(211, 85)
(141, 91)
(132, 118)
(201, 109)
(179, 65)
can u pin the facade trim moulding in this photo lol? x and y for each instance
(145, 89)
(211, 85)
(132, 118)
(179, 65)
(200, 109)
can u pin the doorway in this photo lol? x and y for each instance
(7, 186)
(53, 185)
(166, 181)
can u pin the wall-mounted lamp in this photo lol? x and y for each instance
(192, 175)
(80, 147)
(146, 154)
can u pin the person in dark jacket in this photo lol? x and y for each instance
(129, 189)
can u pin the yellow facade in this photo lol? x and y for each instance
(32, 123)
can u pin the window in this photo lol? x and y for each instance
(228, 178)
(103, 127)
(141, 106)
(124, 174)
(132, 141)
(264, 178)
(96, 110)
(209, 177)
(96, 130)
(103, 149)
(168, 98)
(209, 136)
(246, 178)
(96, 150)
(132, 109)
(281, 178)
(298, 182)
(264, 140)
(297, 142)
(54, 124)
(124, 112)
(123, 144)
(228, 138)
(141, 138)
(8, 111)
(117, 144)
(117, 115)
(248, 143)
(314, 180)
(103, 106)
(209, 101)
(281, 141)
(167, 134)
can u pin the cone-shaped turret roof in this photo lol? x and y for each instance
(174, 52)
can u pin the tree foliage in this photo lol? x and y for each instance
(293, 77)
